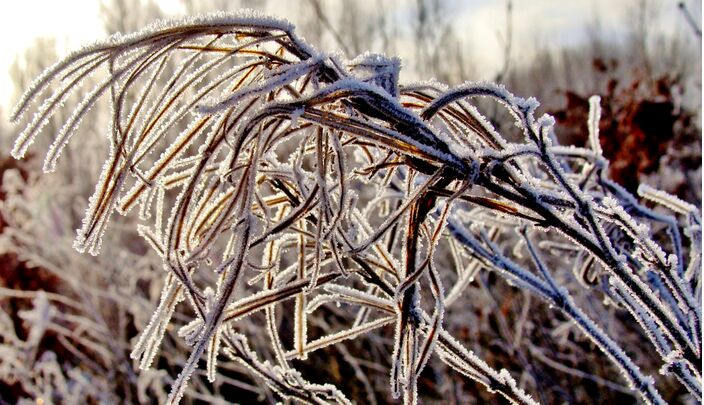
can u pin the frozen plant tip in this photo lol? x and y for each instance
(266, 171)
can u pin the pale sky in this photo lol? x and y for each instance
(543, 22)
(71, 22)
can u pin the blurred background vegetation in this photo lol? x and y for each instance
(643, 57)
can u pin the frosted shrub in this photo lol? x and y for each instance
(264, 172)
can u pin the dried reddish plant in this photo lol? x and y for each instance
(266, 172)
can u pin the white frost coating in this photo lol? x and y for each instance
(176, 149)
(341, 336)
(212, 354)
(93, 226)
(45, 111)
(150, 339)
(519, 108)
(529, 104)
(72, 123)
(283, 76)
(666, 200)
(361, 297)
(379, 70)
(637, 380)
(44, 79)
(116, 45)
(350, 87)
(295, 117)
(515, 273)
(169, 120)
(120, 43)
(424, 85)
(287, 382)
(593, 124)
(161, 104)
(468, 363)
(192, 331)
(640, 232)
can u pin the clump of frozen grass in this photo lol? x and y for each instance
(265, 163)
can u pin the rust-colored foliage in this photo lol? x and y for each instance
(640, 121)
(18, 275)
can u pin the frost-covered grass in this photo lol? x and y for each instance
(272, 179)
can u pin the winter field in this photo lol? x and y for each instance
(366, 202)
